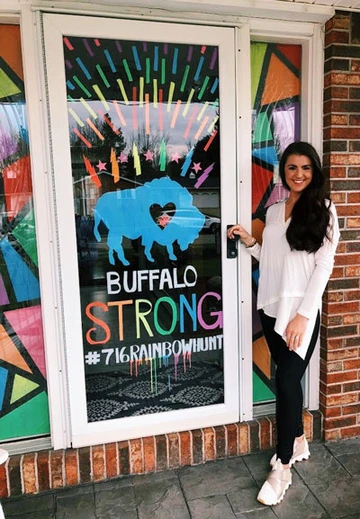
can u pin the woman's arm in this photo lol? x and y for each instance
(249, 241)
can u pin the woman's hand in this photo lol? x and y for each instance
(245, 237)
(295, 331)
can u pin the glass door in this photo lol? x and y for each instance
(144, 183)
(276, 108)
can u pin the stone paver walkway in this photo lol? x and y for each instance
(327, 486)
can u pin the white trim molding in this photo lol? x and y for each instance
(225, 9)
(46, 233)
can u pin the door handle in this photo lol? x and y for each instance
(231, 245)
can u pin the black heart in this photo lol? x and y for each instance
(162, 214)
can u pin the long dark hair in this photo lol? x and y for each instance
(310, 216)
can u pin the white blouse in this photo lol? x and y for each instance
(292, 281)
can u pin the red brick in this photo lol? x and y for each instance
(337, 423)
(338, 78)
(29, 473)
(346, 353)
(220, 441)
(336, 92)
(308, 425)
(350, 432)
(345, 158)
(111, 460)
(339, 198)
(352, 295)
(351, 318)
(354, 120)
(332, 412)
(209, 444)
(347, 398)
(335, 344)
(254, 433)
(331, 346)
(352, 272)
(197, 446)
(351, 409)
(336, 172)
(231, 440)
(185, 449)
(352, 364)
(353, 223)
(326, 106)
(332, 435)
(341, 308)
(353, 197)
(344, 376)
(334, 297)
(174, 450)
(4, 491)
(351, 386)
(85, 469)
(14, 472)
(335, 320)
(341, 248)
(124, 458)
(149, 454)
(71, 467)
(338, 120)
(273, 430)
(351, 342)
(244, 438)
(136, 457)
(336, 37)
(98, 462)
(43, 471)
(339, 21)
(355, 65)
(347, 259)
(330, 390)
(56, 467)
(265, 434)
(333, 366)
(348, 210)
(337, 273)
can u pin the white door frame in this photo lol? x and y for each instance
(55, 26)
(311, 37)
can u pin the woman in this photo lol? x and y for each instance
(296, 259)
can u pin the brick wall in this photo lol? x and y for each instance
(47, 470)
(340, 341)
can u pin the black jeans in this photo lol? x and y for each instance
(290, 368)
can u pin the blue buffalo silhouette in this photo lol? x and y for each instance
(127, 214)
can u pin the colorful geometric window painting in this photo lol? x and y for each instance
(23, 390)
(275, 90)
(144, 136)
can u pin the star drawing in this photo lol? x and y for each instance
(149, 155)
(101, 166)
(196, 167)
(175, 157)
(122, 158)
